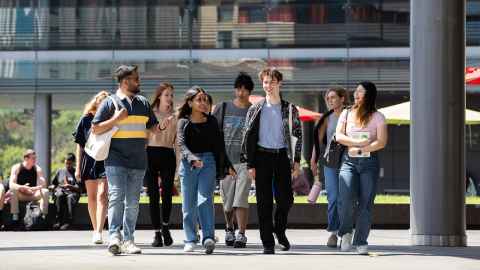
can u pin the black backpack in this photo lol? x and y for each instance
(33, 220)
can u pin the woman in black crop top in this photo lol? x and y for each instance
(203, 159)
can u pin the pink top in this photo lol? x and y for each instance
(377, 119)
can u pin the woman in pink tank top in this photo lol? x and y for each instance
(362, 129)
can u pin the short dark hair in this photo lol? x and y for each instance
(70, 157)
(124, 71)
(28, 153)
(243, 79)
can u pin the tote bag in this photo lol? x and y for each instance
(98, 145)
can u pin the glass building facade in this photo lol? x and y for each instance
(68, 48)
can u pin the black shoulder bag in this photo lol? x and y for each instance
(334, 150)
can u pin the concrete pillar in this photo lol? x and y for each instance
(437, 146)
(42, 128)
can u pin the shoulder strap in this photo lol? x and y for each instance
(290, 118)
(346, 122)
(224, 107)
(114, 102)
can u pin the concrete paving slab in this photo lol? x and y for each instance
(389, 249)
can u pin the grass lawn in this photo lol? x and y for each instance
(380, 199)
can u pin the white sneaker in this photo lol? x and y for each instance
(129, 247)
(114, 246)
(209, 245)
(346, 243)
(362, 250)
(97, 238)
(189, 247)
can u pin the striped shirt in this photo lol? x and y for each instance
(128, 146)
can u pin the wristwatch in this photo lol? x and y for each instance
(359, 152)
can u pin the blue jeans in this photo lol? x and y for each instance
(197, 195)
(357, 185)
(124, 187)
(331, 185)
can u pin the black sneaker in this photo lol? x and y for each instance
(268, 250)
(283, 240)
(157, 240)
(229, 237)
(56, 226)
(167, 237)
(240, 241)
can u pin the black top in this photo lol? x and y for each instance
(199, 137)
(193, 138)
(83, 130)
(89, 167)
(27, 176)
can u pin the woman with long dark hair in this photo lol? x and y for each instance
(162, 163)
(363, 131)
(336, 99)
(203, 160)
(90, 171)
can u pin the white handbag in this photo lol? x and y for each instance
(293, 139)
(98, 145)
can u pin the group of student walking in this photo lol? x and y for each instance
(237, 143)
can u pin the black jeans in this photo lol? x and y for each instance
(161, 162)
(273, 179)
(65, 203)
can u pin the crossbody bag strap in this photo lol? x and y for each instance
(224, 107)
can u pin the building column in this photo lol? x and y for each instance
(437, 145)
(42, 128)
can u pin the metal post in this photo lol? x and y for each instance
(42, 129)
(437, 147)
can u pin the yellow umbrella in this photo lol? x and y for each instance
(400, 114)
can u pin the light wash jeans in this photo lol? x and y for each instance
(197, 195)
(331, 185)
(124, 187)
(357, 183)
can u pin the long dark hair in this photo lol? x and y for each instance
(185, 110)
(155, 102)
(366, 110)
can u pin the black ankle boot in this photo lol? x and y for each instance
(283, 240)
(157, 240)
(167, 238)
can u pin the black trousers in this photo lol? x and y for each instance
(161, 162)
(273, 179)
(65, 203)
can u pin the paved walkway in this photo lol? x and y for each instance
(389, 249)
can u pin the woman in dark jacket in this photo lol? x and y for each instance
(203, 160)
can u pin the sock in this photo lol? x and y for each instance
(14, 217)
